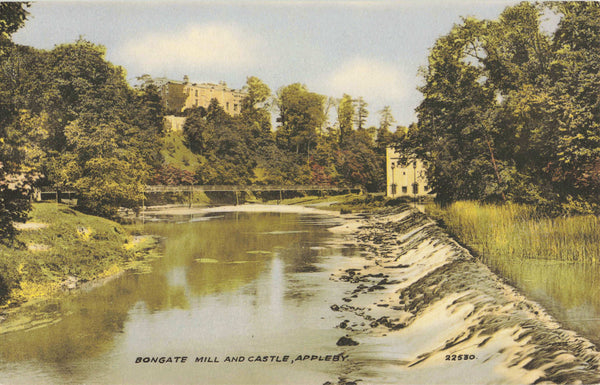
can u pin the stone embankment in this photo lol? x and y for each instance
(421, 309)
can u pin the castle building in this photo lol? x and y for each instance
(179, 95)
(406, 176)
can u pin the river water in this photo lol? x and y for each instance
(264, 298)
(248, 287)
(570, 291)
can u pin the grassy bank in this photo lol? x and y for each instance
(517, 232)
(59, 247)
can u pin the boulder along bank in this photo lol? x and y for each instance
(421, 309)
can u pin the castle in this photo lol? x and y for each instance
(179, 95)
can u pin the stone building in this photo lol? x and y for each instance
(174, 123)
(179, 95)
(406, 176)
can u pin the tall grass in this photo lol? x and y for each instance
(517, 232)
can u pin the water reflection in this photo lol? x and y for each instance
(239, 284)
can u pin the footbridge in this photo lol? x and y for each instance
(236, 189)
(70, 195)
(251, 188)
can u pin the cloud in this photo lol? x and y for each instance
(216, 46)
(369, 78)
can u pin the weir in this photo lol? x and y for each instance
(437, 313)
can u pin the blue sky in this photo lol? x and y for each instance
(371, 48)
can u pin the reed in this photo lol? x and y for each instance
(519, 232)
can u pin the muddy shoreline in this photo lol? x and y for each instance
(421, 309)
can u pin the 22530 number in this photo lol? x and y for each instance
(460, 357)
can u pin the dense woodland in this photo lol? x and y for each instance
(511, 109)
(69, 119)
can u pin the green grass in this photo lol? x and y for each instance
(517, 232)
(69, 244)
(176, 153)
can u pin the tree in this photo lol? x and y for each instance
(450, 135)
(16, 179)
(575, 78)
(301, 116)
(345, 116)
(358, 163)
(384, 136)
(12, 17)
(256, 105)
(107, 183)
(511, 111)
(96, 119)
(224, 142)
(361, 115)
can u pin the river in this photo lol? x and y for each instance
(268, 298)
(235, 285)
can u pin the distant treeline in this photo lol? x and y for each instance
(69, 119)
(304, 148)
(511, 108)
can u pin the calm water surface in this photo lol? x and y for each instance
(569, 291)
(229, 285)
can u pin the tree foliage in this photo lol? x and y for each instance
(301, 116)
(16, 155)
(511, 111)
(75, 111)
(237, 151)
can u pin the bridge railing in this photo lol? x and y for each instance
(192, 188)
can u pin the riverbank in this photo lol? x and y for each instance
(516, 231)
(441, 316)
(60, 249)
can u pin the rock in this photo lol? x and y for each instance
(346, 341)
(335, 307)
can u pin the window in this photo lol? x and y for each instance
(394, 189)
(235, 107)
(227, 106)
(404, 189)
(196, 92)
(415, 188)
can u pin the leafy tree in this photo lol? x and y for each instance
(345, 116)
(224, 142)
(575, 78)
(107, 183)
(256, 105)
(196, 130)
(361, 115)
(384, 136)
(90, 114)
(170, 175)
(323, 162)
(301, 115)
(451, 135)
(358, 163)
(16, 179)
(12, 17)
(511, 111)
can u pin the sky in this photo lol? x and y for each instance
(368, 48)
